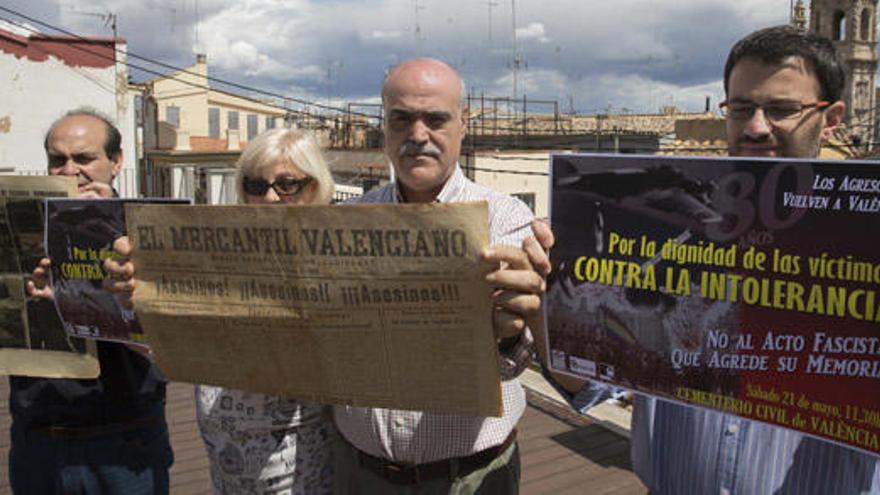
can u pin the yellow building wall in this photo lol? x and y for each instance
(189, 91)
(244, 106)
(491, 171)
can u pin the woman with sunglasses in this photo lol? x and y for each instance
(258, 443)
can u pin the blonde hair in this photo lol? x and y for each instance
(289, 146)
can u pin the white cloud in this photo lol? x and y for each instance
(378, 34)
(534, 31)
(636, 54)
(609, 92)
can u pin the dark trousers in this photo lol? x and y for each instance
(130, 462)
(500, 477)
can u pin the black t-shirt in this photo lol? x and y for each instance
(129, 387)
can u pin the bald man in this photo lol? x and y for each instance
(106, 435)
(392, 451)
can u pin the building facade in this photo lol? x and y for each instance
(43, 77)
(520, 173)
(193, 134)
(852, 26)
(184, 113)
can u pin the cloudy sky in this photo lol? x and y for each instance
(622, 55)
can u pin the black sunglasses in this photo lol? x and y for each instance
(285, 186)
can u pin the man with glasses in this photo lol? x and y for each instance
(783, 94)
(783, 100)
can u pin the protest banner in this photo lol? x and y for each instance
(32, 339)
(79, 238)
(741, 285)
(368, 305)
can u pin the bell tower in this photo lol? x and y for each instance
(852, 26)
(798, 16)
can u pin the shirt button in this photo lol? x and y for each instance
(732, 429)
(725, 491)
(398, 422)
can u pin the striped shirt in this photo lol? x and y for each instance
(416, 437)
(678, 449)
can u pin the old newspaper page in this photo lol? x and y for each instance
(32, 340)
(368, 305)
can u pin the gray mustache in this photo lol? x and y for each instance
(414, 149)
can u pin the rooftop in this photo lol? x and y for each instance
(561, 451)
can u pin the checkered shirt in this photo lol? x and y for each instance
(416, 437)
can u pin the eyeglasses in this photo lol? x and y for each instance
(284, 186)
(773, 112)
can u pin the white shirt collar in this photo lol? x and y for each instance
(450, 191)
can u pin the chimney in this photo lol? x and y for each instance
(201, 68)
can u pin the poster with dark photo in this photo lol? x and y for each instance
(79, 237)
(741, 285)
(32, 339)
(21, 242)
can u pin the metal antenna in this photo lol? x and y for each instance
(490, 4)
(198, 21)
(417, 31)
(517, 58)
(108, 17)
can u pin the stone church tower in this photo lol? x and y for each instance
(852, 26)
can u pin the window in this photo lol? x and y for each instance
(172, 115)
(251, 126)
(527, 198)
(139, 110)
(839, 26)
(214, 123)
(866, 25)
(270, 122)
(232, 120)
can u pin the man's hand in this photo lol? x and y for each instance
(518, 288)
(95, 190)
(121, 283)
(519, 282)
(39, 286)
(121, 271)
(537, 245)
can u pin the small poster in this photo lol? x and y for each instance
(79, 238)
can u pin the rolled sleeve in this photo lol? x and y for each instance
(516, 359)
